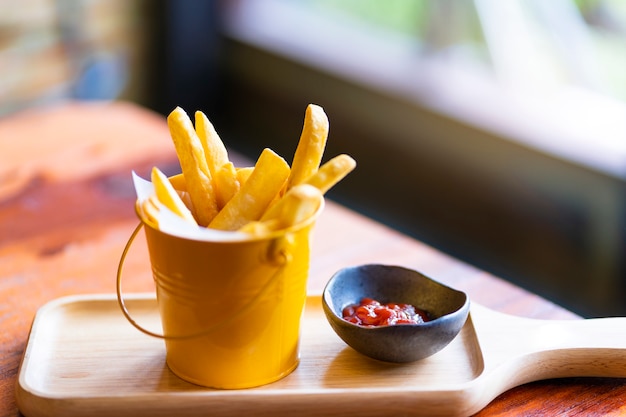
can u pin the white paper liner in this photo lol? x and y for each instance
(174, 225)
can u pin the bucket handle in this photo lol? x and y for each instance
(279, 257)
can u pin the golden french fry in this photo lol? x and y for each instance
(243, 174)
(184, 195)
(214, 149)
(249, 203)
(331, 172)
(260, 228)
(168, 196)
(257, 200)
(150, 210)
(178, 182)
(297, 205)
(194, 166)
(226, 184)
(310, 149)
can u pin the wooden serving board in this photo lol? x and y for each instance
(84, 358)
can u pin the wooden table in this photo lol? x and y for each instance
(66, 212)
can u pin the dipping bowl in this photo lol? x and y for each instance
(448, 310)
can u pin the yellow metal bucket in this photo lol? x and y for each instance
(230, 310)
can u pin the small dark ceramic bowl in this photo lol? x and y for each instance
(447, 308)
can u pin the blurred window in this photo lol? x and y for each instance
(548, 73)
(527, 42)
(79, 49)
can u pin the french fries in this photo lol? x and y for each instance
(297, 205)
(178, 182)
(211, 192)
(331, 172)
(226, 183)
(311, 146)
(194, 166)
(265, 182)
(168, 196)
(260, 228)
(243, 174)
(150, 209)
(214, 149)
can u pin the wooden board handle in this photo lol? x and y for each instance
(523, 350)
(515, 350)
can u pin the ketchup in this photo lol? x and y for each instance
(370, 313)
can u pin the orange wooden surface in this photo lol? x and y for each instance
(66, 212)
